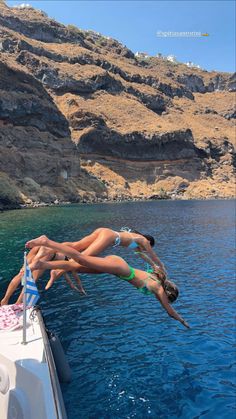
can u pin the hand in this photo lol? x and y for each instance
(185, 324)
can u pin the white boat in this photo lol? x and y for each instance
(29, 385)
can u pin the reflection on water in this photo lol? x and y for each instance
(129, 360)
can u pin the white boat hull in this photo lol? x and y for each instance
(29, 386)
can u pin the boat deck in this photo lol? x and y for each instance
(27, 380)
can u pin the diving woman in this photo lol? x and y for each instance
(154, 282)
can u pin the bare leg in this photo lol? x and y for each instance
(110, 264)
(90, 245)
(58, 247)
(80, 245)
(66, 266)
(15, 282)
(36, 276)
(32, 253)
(12, 287)
(44, 253)
(101, 240)
(85, 241)
(101, 243)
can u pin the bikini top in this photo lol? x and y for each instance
(132, 245)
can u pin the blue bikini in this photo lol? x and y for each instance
(133, 245)
(117, 241)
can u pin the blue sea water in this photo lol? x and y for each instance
(128, 358)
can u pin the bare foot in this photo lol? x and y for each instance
(4, 301)
(39, 241)
(34, 266)
(53, 277)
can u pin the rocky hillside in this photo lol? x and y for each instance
(83, 119)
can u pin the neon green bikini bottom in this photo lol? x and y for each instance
(143, 290)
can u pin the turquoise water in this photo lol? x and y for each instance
(129, 359)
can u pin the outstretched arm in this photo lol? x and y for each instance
(79, 283)
(161, 296)
(151, 256)
(156, 268)
(79, 286)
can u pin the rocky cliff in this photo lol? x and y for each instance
(82, 118)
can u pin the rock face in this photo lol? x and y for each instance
(195, 83)
(25, 102)
(81, 118)
(34, 136)
(165, 146)
(39, 27)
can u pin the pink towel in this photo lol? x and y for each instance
(10, 316)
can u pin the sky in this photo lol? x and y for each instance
(136, 23)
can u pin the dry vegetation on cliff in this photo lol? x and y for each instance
(82, 118)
